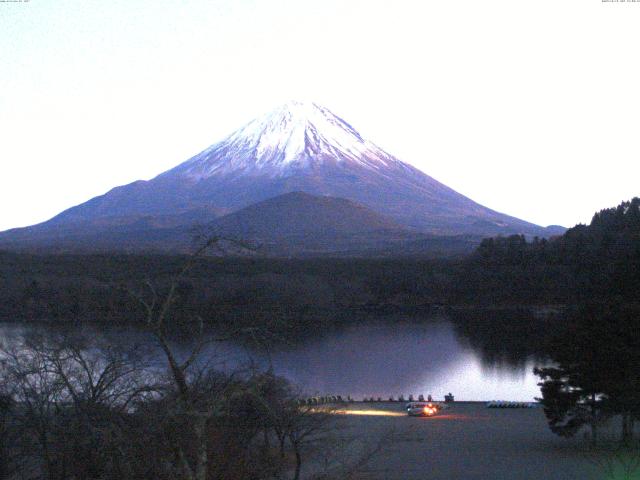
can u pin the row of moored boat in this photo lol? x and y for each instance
(507, 404)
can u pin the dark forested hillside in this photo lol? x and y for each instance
(101, 288)
(600, 260)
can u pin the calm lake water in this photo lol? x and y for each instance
(375, 358)
(380, 360)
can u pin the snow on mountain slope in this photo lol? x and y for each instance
(295, 136)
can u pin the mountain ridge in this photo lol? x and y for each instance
(301, 225)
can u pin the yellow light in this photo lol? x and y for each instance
(373, 413)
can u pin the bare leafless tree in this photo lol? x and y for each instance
(197, 404)
(70, 392)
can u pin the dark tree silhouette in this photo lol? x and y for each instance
(597, 372)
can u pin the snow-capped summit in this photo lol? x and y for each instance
(294, 136)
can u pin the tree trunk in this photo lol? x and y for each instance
(200, 430)
(298, 461)
(594, 421)
(627, 428)
(187, 473)
(48, 461)
(281, 439)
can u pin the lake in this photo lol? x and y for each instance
(376, 357)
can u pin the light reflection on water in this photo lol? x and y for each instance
(373, 360)
(381, 360)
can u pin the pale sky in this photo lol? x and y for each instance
(531, 108)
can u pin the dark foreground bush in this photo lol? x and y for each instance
(74, 409)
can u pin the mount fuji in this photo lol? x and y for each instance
(298, 147)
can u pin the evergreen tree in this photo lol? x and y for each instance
(597, 372)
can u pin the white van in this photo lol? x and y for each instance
(422, 409)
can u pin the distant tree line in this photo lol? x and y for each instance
(297, 297)
(600, 260)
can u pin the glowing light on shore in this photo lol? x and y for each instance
(372, 413)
